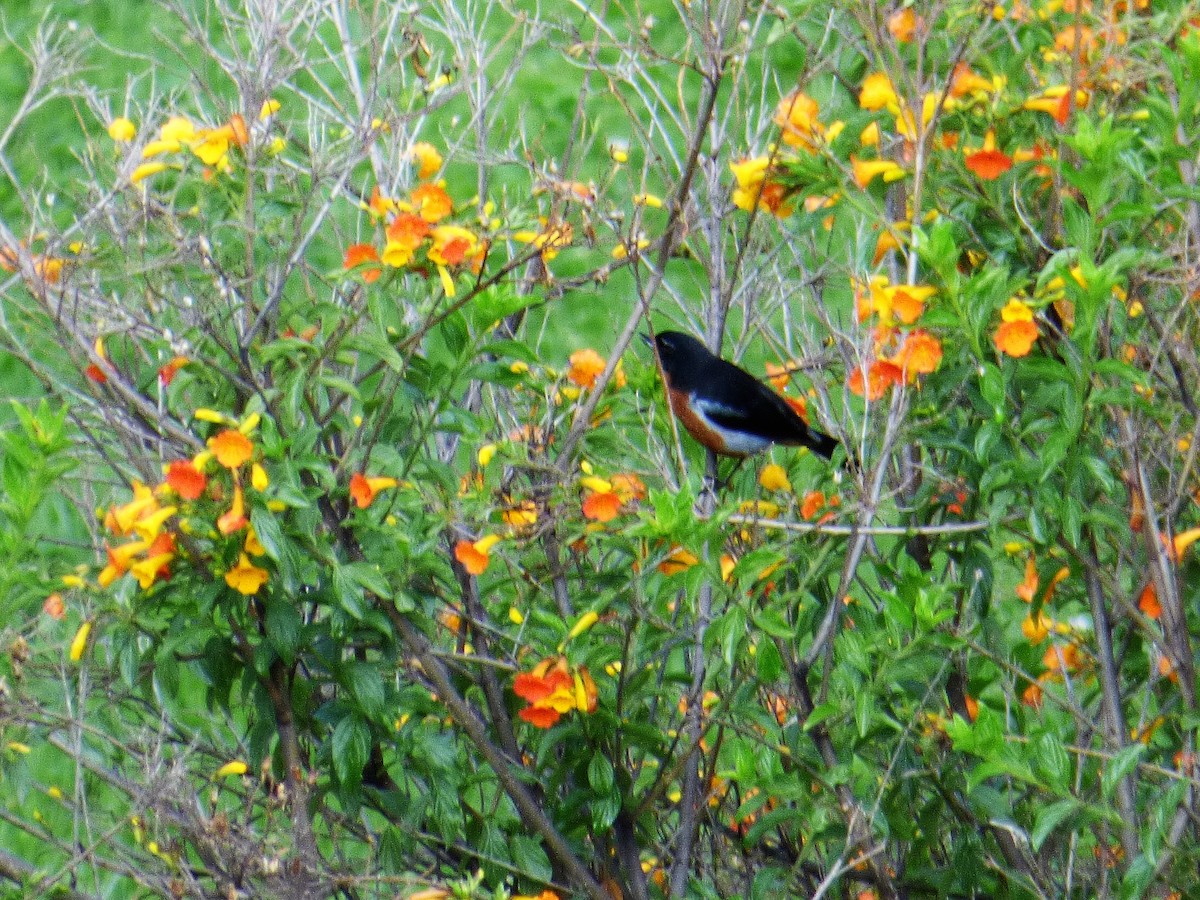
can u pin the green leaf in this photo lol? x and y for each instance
(772, 622)
(768, 661)
(1048, 818)
(1052, 760)
(1122, 763)
(366, 684)
(283, 627)
(529, 857)
(351, 748)
(600, 774)
(864, 709)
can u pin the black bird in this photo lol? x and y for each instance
(726, 408)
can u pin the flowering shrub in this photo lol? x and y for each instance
(353, 548)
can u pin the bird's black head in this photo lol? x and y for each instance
(677, 349)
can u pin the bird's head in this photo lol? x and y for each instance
(675, 347)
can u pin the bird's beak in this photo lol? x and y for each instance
(649, 340)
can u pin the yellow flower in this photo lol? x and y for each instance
(877, 92)
(236, 767)
(866, 171)
(1016, 311)
(177, 129)
(797, 116)
(428, 159)
(145, 170)
(79, 643)
(246, 578)
(774, 478)
(258, 478)
(122, 130)
(148, 570)
(486, 452)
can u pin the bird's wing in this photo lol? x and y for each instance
(746, 404)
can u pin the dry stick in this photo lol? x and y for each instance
(1111, 687)
(502, 765)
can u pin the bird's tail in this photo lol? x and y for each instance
(821, 444)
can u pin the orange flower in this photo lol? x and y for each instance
(1148, 602)
(235, 519)
(965, 81)
(54, 607)
(1181, 542)
(452, 245)
(903, 24)
(474, 554)
(166, 373)
(988, 164)
(586, 367)
(357, 254)
(95, 373)
(185, 479)
(628, 487)
(1066, 657)
(431, 202)
(601, 506)
(797, 116)
(408, 230)
(814, 501)
(364, 489)
(800, 405)
(231, 448)
(1015, 338)
(551, 689)
(881, 375)
(920, 354)
(1032, 695)
(678, 560)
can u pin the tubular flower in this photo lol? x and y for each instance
(231, 448)
(601, 506)
(120, 519)
(920, 354)
(880, 376)
(474, 555)
(1057, 101)
(866, 171)
(586, 366)
(452, 245)
(754, 188)
(357, 254)
(551, 689)
(774, 478)
(628, 487)
(1017, 331)
(404, 235)
(427, 158)
(796, 115)
(678, 560)
(246, 578)
(363, 489)
(235, 518)
(878, 93)
(965, 82)
(431, 202)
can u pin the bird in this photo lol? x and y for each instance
(724, 407)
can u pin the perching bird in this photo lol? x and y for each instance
(726, 408)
